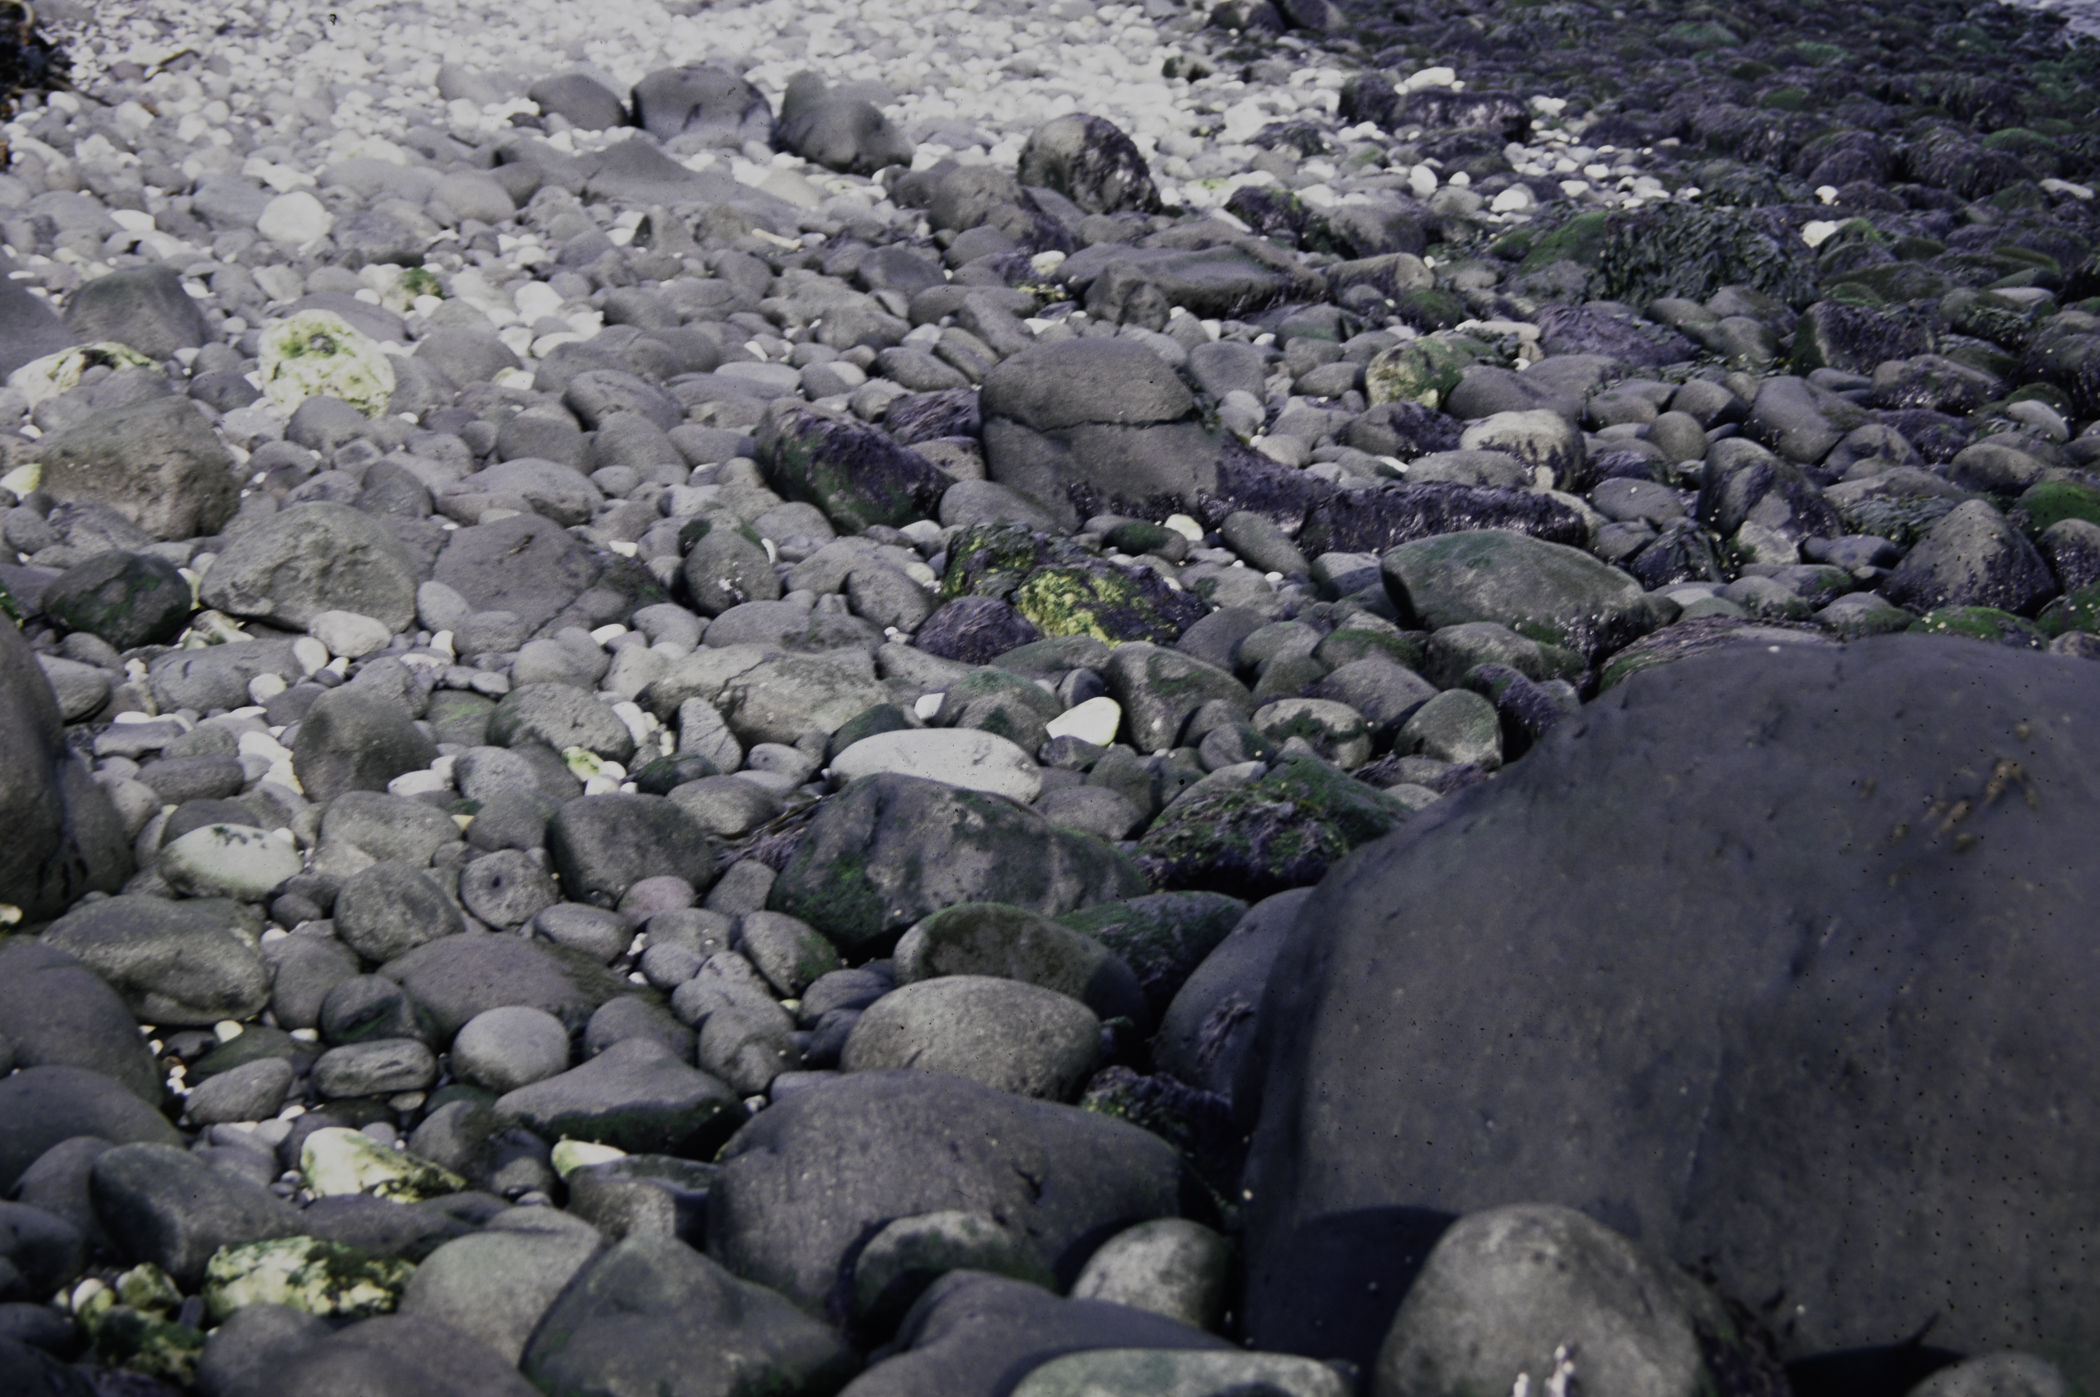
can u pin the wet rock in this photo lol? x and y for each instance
(1091, 162)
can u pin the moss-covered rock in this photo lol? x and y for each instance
(1062, 589)
(151, 1344)
(317, 353)
(911, 1253)
(1420, 371)
(1682, 250)
(334, 1161)
(1985, 623)
(329, 1279)
(856, 474)
(2051, 501)
(2079, 611)
(889, 850)
(1106, 602)
(1161, 936)
(1283, 830)
(1196, 1123)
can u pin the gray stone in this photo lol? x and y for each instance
(603, 845)
(164, 1205)
(54, 1012)
(359, 1008)
(726, 567)
(1183, 1373)
(910, 1254)
(582, 100)
(143, 307)
(383, 827)
(1088, 424)
(978, 1335)
(634, 1096)
(496, 1286)
(1160, 689)
(1546, 591)
(70, 840)
(1457, 726)
(1540, 1290)
(511, 1047)
(157, 463)
(1005, 1034)
(789, 952)
(507, 888)
(1170, 1267)
(397, 1356)
(352, 740)
(650, 1315)
(1972, 557)
(1997, 1375)
(314, 558)
(987, 938)
(811, 1174)
(1090, 161)
(389, 909)
(728, 806)
(838, 130)
(173, 963)
(1208, 1029)
(251, 1092)
(241, 1357)
(456, 977)
(559, 716)
(127, 599)
(707, 104)
(787, 699)
(377, 1067)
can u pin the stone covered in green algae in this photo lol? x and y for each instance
(336, 1161)
(1985, 623)
(329, 1279)
(1420, 371)
(1283, 830)
(1161, 936)
(1065, 590)
(317, 353)
(2080, 611)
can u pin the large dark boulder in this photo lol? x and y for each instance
(1773, 959)
(65, 838)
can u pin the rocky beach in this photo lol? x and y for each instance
(908, 699)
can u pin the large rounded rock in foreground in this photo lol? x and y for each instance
(1777, 962)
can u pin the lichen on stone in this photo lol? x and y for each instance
(317, 353)
(336, 1160)
(329, 1279)
(58, 373)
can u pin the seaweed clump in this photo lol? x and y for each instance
(29, 62)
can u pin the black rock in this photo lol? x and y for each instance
(143, 307)
(350, 741)
(974, 630)
(164, 1205)
(1376, 518)
(814, 1173)
(1758, 1030)
(652, 1315)
(708, 104)
(603, 845)
(55, 1012)
(68, 839)
(974, 1334)
(1090, 161)
(127, 599)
